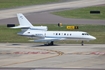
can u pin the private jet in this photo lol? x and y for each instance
(43, 35)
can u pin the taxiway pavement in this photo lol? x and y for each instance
(57, 56)
(9, 13)
(47, 18)
(40, 14)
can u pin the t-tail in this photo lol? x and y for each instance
(25, 24)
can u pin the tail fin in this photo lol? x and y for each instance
(24, 23)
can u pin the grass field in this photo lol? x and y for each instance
(83, 13)
(10, 35)
(17, 3)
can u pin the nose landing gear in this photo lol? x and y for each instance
(82, 43)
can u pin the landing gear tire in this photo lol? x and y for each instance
(51, 43)
(82, 43)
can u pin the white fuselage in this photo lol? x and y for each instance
(72, 35)
(27, 29)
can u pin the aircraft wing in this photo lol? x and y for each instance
(49, 39)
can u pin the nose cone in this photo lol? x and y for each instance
(93, 38)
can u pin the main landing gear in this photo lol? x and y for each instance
(49, 43)
(52, 43)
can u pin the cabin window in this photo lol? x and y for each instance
(59, 33)
(70, 34)
(56, 34)
(82, 33)
(64, 33)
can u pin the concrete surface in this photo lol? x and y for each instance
(34, 55)
(40, 14)
(47, 18)
(9, 13)
(58, 56)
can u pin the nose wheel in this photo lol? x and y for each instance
(82, 43)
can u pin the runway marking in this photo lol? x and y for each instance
(59, 53)
(24, 52)
(98, 53)
(88, 53)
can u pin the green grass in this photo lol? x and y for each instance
(83, 13)
(10, 35)
(17, 3)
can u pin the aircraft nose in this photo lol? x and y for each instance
(93, 37)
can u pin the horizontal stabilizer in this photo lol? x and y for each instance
(21, 27)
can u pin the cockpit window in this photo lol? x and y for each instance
(85, 34)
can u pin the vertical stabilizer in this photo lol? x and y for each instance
(23, 21)
(24, 24)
